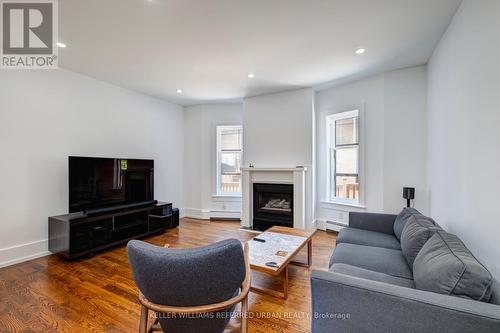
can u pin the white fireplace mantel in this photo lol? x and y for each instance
(274, 175)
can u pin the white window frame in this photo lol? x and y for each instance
(330, 143)
(218, 176)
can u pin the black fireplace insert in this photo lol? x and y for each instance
(272, 205)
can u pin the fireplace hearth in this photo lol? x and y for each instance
(272, 205)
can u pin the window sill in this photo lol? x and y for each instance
(234, 197)
(340, 203)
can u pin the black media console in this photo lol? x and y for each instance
(77, 235)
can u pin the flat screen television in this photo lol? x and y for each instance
(96, 182)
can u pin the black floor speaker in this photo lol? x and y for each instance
(175, 217)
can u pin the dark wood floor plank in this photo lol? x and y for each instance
(98, 294)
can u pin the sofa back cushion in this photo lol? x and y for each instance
(401, 220)
(446, 266)
(416, 232)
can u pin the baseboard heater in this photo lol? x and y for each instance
(334, 223)
(214, 218)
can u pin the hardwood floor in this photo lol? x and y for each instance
(98, 294)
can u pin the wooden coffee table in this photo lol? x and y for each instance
(285, 239)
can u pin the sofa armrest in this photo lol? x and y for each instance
(342, 303)
(373, 222)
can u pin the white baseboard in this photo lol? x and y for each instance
(23, 252)
(196, 213)
(207, 214)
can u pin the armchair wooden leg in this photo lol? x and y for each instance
(143, 323)
(244, 315)
(155, 326)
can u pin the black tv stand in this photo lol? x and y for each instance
(77, 235)
(100, 211)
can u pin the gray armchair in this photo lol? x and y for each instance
(191, 290)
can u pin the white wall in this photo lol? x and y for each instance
(463, 125)
(393, 119)
(405, 137)
(278, 131)
(46, 116)
(200, 160)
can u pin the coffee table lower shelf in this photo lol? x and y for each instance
(275, 293)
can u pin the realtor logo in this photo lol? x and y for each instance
(29, 32)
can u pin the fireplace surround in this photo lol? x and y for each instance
(294, 177)
(272, 205)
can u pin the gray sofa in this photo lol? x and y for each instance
(402, 273)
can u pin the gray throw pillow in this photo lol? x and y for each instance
(446, 266)
(401, 220)
(416, 232)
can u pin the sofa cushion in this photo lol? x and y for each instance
(446, 266)
(371, 275)
(416, 232)
(378, 259)
(495, 292)
(401, 220)
(367, 237)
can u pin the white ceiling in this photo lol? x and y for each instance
(207, 47)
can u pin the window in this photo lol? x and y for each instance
(343, 157)
(229, 153)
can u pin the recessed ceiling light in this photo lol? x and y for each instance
(179, 91)
(251, 75)
(360, 50)
(61, 45)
